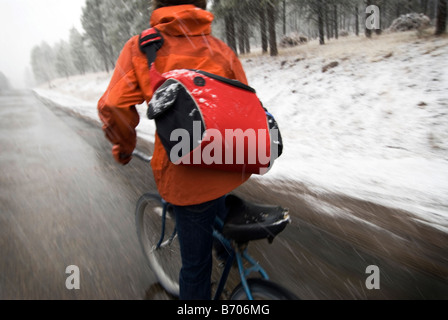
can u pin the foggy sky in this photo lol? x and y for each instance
(26, 23)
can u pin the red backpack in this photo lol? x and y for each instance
(209, 121)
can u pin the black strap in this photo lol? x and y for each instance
(232, 82)
(150, 42)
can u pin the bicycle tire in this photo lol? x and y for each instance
(164, 261)
(263, 290)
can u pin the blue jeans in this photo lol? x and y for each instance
(195, 232)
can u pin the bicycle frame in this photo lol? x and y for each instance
(238, 252)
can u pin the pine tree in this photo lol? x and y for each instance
(63, 63)
(141, 15)
(42, 63)
(94, 23)
(78, 51)
(225, 10)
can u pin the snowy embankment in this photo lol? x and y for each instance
(374, 125)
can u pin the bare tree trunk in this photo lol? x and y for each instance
(367, 30)
(433, 9)
(357, 20)
(380, 5)
(272, 33)
(241, 41)
(328, 28)
(397, 10)
(441, 17)
(246, 38)
(335, 18)
(320, 22)
(284, 17)
(264, 37)
(230, 32)
(424, 6)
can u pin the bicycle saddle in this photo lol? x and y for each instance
(248, 221)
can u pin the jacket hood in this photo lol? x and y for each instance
(182, 20)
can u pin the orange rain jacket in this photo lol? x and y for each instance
(188, 45)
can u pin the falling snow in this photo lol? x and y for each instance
(374, 127)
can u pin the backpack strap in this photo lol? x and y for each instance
(150, 42)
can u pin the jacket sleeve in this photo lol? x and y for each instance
(117, 109)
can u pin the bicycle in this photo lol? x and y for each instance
(246, 222)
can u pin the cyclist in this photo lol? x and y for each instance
(197, 194)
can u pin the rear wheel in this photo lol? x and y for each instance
(263, 290)
(163, 259)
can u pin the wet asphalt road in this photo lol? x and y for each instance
(64, 201)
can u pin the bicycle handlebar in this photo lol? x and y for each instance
(142, 156)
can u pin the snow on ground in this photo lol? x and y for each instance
(373, 127)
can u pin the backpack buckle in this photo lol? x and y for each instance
(150, 37)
